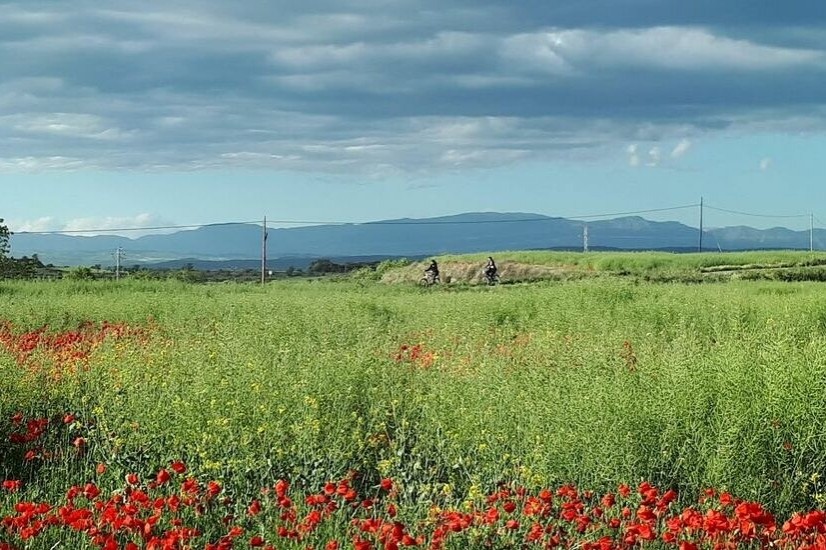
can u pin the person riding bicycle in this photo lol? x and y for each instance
(432, 271)
(490, 268)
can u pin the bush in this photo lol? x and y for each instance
(376, 273)
(80, 273)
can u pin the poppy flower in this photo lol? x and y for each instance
(162, 476)
(12, 485)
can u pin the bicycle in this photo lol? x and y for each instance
(492, 279)
(429, 279)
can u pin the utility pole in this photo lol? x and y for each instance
(118, 255)
(585, 237)
(264, 251)
(700, 244)
(811, 232)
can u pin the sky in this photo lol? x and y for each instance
(122, 114)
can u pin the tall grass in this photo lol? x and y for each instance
(646, 260)
(595, 382)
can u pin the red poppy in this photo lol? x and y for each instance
(254, 508)
(12, 485)
(162, 477)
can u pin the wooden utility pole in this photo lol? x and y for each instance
(700, 244)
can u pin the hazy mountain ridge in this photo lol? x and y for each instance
(462, 233)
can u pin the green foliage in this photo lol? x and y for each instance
(80, 273)
(4, 239)
(596, 382)
(387, 265)
(324, 266)
(4, 249)
(187, 275)
(646, 260)
(377, 272)
(144, 275)
(23, 268)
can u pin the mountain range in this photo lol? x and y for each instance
(229, 245)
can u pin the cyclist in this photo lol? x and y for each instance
(490, 269)
(432, 272)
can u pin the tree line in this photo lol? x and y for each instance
(16, 268)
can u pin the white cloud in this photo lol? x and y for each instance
(541, 52)
(89, 225)
(35, 164)
(481, 157)
(654, 156)
(681, 149)
(683, 48)
(92, 225)
(765, 164)
(633, 156)
(46, 223)
(71, 125)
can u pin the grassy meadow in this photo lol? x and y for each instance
(450, 392)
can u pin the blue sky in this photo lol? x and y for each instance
(183, 112)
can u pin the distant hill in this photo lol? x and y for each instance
(463, 233)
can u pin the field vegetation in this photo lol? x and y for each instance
(423, 402)
(646, 266)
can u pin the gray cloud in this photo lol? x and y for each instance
(379, 87)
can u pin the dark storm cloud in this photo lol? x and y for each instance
(386, 87)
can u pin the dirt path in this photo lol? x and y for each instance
(471, 273)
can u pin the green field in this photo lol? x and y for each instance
(449, 391)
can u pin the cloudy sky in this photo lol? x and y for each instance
(177, 112)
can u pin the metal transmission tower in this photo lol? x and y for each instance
(118, 256)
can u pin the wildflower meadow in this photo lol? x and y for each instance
(600, 413)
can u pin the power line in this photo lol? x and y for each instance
(593, 216)
(627, 237)
(755, 215)
(126, 229)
